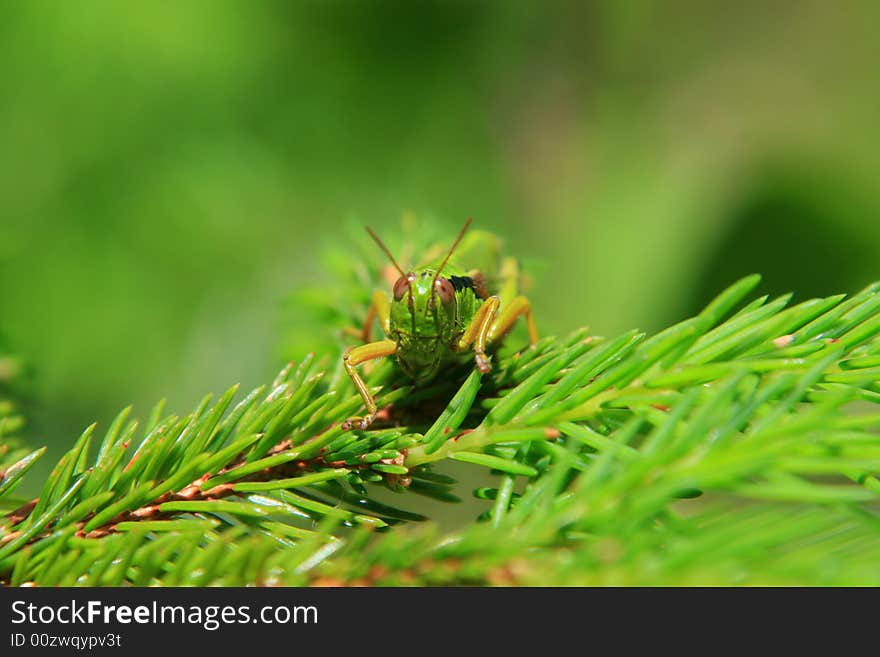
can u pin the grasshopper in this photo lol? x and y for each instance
(434, 314)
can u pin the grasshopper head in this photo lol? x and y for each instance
(422, 318)
(422, 291)
(423, 313)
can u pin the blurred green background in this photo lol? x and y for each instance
(170, 171)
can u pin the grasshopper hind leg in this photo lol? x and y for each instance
(518, 307)
(380, 308)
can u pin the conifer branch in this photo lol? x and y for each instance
(738, 446)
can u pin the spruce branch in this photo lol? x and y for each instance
(738, 446)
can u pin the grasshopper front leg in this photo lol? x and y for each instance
(477, 332)
(354, 358)
(485, 327)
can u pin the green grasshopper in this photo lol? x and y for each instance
(432, 317)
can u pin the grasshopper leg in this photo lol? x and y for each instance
(351, 360)
(485, 327)
(379, 307)
(477, 332)
(517, 307)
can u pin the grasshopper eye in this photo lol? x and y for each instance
(444, 290)
(401, 286)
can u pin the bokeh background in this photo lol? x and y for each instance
(169, 172)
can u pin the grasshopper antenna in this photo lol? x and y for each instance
(451, 251)
(385, 250)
